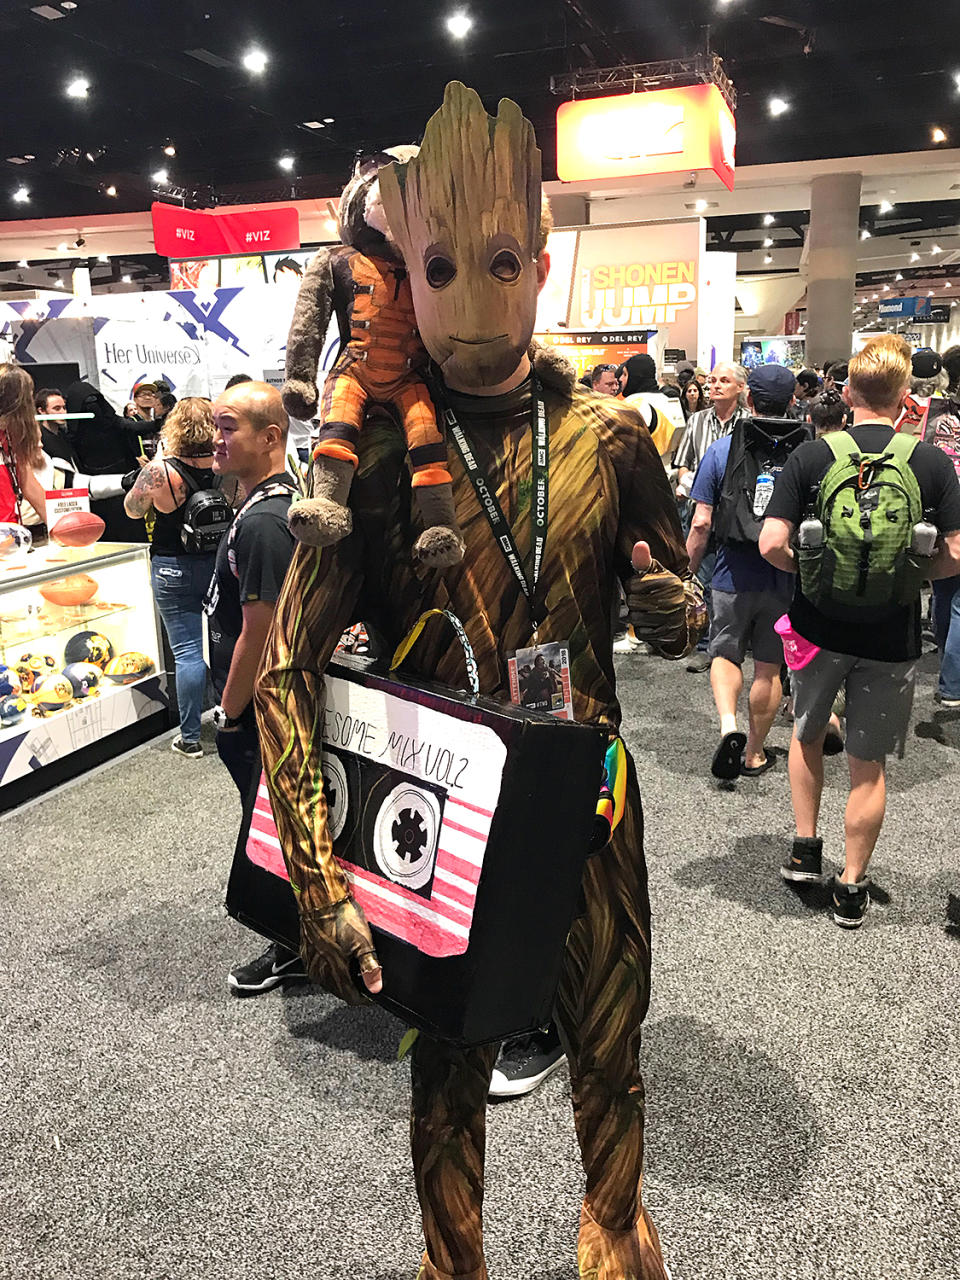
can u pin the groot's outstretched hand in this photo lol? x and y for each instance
(331, 939)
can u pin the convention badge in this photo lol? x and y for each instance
(540, 679)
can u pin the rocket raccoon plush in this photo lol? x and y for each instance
(364, 283)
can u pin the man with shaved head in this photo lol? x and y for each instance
(249, 443)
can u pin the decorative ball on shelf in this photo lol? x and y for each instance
(53, 694)
(12, 710)
(88, 646)
(32, 668)
(9, 681)
(84, 677)
(77, 529)
(128, 667)
(79, 588)
(15, 540)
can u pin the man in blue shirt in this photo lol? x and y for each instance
(732, 486)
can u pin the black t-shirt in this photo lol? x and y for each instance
(896, 639)
(56, 445)
(251, 565)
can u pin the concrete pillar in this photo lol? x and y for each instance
(832, 265)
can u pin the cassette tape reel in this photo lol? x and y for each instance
(341, 790)
(401, 830)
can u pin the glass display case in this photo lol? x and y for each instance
(81, 663)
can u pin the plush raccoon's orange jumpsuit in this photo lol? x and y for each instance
(379, 362)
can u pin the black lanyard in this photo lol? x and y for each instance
(540, 463)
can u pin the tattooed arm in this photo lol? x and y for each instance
(149, 483)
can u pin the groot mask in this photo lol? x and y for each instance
(466, 215)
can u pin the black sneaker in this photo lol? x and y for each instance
(805, 864)
(276, 965)
(192, 750)
(850, 902)
(525, 1062)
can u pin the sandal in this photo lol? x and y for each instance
(728, 756)
(768, 763)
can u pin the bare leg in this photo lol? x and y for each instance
(726, 680)
(764, 702)
(806, 783)
(864, 816)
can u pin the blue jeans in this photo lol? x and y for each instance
(179, 585)
(946, 620)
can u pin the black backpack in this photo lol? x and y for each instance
(207, 515)
(757, 447)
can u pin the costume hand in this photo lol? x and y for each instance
(333, 941)
(658, 603)
(642, 559)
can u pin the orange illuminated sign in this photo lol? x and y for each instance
(635, 134)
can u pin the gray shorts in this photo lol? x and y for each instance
(879, 698)
(741, 618)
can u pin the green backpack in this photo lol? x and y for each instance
(868, 504)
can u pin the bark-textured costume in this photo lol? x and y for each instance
(607, 490)
(364, 284)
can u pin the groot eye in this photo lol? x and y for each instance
(505, 266)
(440, 271)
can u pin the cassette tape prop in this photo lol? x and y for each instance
(462, 825)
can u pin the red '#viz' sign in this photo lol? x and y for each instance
(198, 233)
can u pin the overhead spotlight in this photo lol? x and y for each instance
(78, 87)
(169, 149)
(161, 177)
(768, 242)
(68, 4)
(330, 225)
(313, 124)
(898, 276)
(286, 163)
(103, 258)
(864, 233)
(768, 219)
(701, 206)
(914, 257)
(23, 263)
(126, 279)
(62, 247)
(328, 119)
(768, 259)
(875, 296)
(110, 191)
(935, 249)
(885, 206)
(777, 106)
(459, 24)
(937, 135)
(886, 288)
(21, 195)
(255, 60)
(929, 293)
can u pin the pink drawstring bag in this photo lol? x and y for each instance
(797, 652)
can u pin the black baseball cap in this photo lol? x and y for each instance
(926, 363)
(773, 382)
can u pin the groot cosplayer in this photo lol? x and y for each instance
(466, 214)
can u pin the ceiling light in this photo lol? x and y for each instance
(255, 60)
(313, 124)
(161, 177)
(68, 4)
(126, 279)
(701, 206)
(777, 106)
(875, 296)
(21, 195)
(103, 258)
(110, 191)
(768, 242)
(886, 288)
(458, 24)
(78, 87)
(286, 163)
(929, 293)
(768, 259)
(23, 263)
(330, 225)
(898, 276)
(864, 233)
(62, 247)
(169, 149)
(935, 249)
(46, 11)
(885, 206)
(768, 219)
(937, 135)
(328, 119)
(914, 257)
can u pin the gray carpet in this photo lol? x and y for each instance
(803, 1094)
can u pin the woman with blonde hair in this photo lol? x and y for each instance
(20, 449)
(180, 577)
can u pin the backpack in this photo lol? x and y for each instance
(207, 515)
(867, 504)
(755, 451)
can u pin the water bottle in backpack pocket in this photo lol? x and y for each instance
(858, 548)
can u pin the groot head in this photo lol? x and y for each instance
(465, 213)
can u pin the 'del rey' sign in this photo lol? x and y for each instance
(636, 134)
(636, 277)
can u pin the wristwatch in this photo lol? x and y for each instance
(222, 721)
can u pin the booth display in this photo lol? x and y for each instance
(80, 663)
